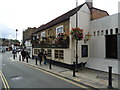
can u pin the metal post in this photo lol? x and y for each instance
(13, 56)
(27, 59)
(110, 77)
(19, 57)
(50, 64)
(36, 61)
(76, 40)
(76, 56)
(23, 58)
(74, 69)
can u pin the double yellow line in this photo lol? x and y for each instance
(5, 83)
(35, 67)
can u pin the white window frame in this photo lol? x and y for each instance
(43, 34)
(59, 29)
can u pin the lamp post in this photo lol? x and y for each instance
(16, 33)
(76, 39)
(16, 41)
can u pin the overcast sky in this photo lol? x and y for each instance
(20, 14)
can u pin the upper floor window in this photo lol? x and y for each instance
(59, 30)
(42, 34)
(116, 30)
(102, 32)
(106, 32)
(37, 36)
(111, 31)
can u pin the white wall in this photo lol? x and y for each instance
(97, 58)
(97, 43)
(83, 23)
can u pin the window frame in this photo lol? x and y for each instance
(58, 55)
(59, 29)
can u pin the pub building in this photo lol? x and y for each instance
(89, 32)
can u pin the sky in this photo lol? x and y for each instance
(20, 14)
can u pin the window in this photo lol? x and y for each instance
(111, 31)
(98, 33)
(37, 36)
(49, 53)
(34, 37)
(59, 30)
(116, 30)
(35, 51)
(56, 54)
(94, 33)
(42, 34)
(59, 54)
(106, 32)
(102, 32)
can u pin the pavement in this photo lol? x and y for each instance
(90, 77)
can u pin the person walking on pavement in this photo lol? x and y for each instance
(27, 56)
(14, 53)
(23, 53)
(45, 54)
(40, 55)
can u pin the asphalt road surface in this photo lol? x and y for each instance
(19, 75)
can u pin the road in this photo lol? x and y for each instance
(19, 75)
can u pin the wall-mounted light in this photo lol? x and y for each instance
(87, 37)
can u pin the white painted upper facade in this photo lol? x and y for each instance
(96, 45)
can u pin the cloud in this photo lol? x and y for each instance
(6, 32)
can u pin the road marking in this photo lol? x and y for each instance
(5, 83)
(33, 66)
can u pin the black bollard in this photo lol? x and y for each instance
(19, 57)
(110, 77)
(50, 64)
(13, 56)
(27, 59)
(36, 61)
(74, 66)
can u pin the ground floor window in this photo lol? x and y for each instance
(111, 46)
(49, 53)
(59, 54)
(35, 51)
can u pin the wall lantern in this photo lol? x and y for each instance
(87, 37)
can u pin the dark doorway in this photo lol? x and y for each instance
(111, 46)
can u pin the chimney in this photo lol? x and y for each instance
(90, 3)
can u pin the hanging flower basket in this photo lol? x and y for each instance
(77, 33)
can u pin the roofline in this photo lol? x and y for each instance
(100, 10)
(61, 16)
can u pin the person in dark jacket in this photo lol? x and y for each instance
(14, 53)
(45, 55)
(23, 53)
(40, 55)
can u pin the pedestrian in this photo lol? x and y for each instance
(27, 56)
(40, 55)
(14, 53)
(45, 55)
(23, 53)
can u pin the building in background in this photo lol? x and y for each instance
(27, 34)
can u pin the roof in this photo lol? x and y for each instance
(100, 10)
(59, 19)
(63, 17)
